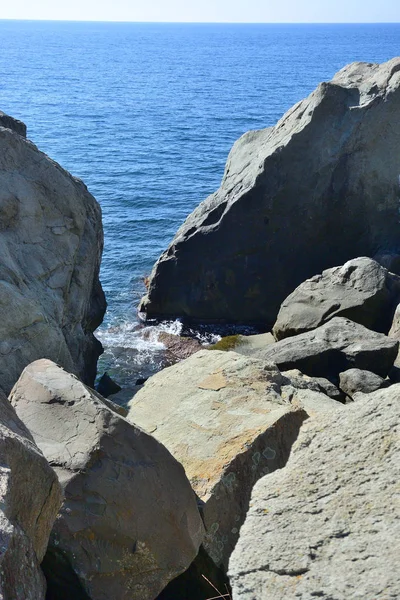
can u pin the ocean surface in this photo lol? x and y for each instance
(146, 114)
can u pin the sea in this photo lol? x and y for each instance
(146, 114)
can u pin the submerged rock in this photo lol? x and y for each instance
(51, 241)
(30, 497)
(361, 290)
(327, 525)
(129, 523)
(316, 190)
(338, 345)
(225, 417)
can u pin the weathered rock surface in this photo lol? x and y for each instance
(226, 418)
(317, 384)
(328, 524)
(231, 259)
(30, 497)
(13, 124)
(338, 345)
(361, 290)
(356, 380)
(179, 347)
(129, 523)
(50, 245)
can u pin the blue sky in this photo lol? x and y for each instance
(246, 11)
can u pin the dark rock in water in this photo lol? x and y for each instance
(51, 241)
(332, 348)
(316, 190)
(141, 380)
(13, 124)
(129, 523)
(357, 380)
(361, 290)
(107, 386)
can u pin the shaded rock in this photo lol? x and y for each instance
(129, 523)
(356, 380)
(231, 261)
(200, 582)
(389, 260)
(51, 241)
(30, 497)
(338, 345)
(13, 124)
(223, 417)
(179, 347)
(395, 328)
(317, 384)
(327, 525)
(107, 386)
(361, 290)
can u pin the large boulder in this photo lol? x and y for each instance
(129, 523)
(328, 524)
(316, 190)
(361, 290)
(338, 345)
(228, 419)
(50, 246)
(30, 497)
(13, 124)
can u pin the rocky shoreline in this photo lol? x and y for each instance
(260, 467)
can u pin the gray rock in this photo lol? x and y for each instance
(129, 523)
(395, 328)
(292, 203)
(226, 418)
(361, 290)
(13, 124)
(328, 525)
(338, 345)
(317, 384)
(389, 260)
(357, 380)
(50, 245)
(30, 497)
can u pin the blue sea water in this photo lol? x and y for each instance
(146, 114)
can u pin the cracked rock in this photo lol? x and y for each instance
(328, 524)
(51, 240)
(227, 419)
(129, 523)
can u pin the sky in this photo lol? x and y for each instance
(231, 11)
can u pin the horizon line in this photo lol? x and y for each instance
(30, 20)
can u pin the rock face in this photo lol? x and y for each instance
(332, 348)
(360, 290)
(287, 196)
(356, 380)
(50, 245)
(129, 523)
(30, 497)
(13, 124)
(227, 419)
(328, 525)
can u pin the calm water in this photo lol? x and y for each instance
(146, 114)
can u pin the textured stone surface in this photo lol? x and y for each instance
(228, 419)
(338, 345)
(361, 290)
(129, 523)
(328, 524)
(292, 203)
(316, 384)
(357, 380)
(50, 246)
(13, 124)
(30, 497)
